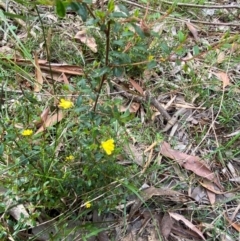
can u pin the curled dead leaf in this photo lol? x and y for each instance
(50, 121)
(179, 217)
(189, 162)
(136, 86)
(87, 40)
(224, 78)
(133, 108)
(193, 30)
(38, 75)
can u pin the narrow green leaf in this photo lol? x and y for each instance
(11, 15)
(139, 31)
(111, 6)
(118, 15)
(181, 36)
(60, 9)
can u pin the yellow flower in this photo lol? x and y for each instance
(27, 132)
(70, 158)
(150, 57)
(65, 104)
(88, 204)
(108, 146)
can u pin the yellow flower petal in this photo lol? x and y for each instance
(27, 132)
(108, 146)
(65, 104)
(88, 204)
(70, 158)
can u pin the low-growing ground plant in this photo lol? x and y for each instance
(73, 150)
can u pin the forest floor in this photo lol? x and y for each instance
(120, 120)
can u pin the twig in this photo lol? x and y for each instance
(192, 5)
(138, 5)
(157, 105)
(212, 23)
(107, 33)
(201, 6)
(152, 100)
(174, 119)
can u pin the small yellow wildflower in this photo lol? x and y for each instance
(150, 57)
(70, 158)
(88, 204)
(27, 132)
(108, 146)
(65, 104)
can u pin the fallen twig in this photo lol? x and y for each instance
(201, 6)
(140, 99)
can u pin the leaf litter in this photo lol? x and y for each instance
(171, 222)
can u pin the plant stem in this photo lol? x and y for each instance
(107, 33)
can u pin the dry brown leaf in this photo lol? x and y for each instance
(193, 30)
(179, 217)
(210, 187)
(133, 108)
(233, 224)
(43, 117)
(192, 163)
(85, 39)
(52, 67)
(199, 194)
(62, 68)
(65, 79)
(224, 78)
(136, 86)
(38, 75)
(135, 153)
(51, 120)
(211, 195)
(166, 225)
(148, 193)
(220, 57)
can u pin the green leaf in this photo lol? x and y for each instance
(87, 1)
(181, 36)
(118, 15)
(83, 12)
(80, 9)
(111, 6)
(60, 9)
(101, 72)
(122, 8)
(165, 48)
(196, 50)
(151, 64)
(139, 31)
(118, 71)
(74, 6)
(11, 15)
